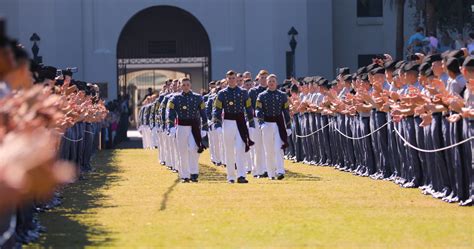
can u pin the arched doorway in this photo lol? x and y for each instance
(157, 43)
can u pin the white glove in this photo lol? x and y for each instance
(173, 131)
(288, 132)
(263, 125)
(203, 133)
(219, 130)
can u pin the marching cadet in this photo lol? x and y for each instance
(274, 119)
(159, 124)
(169, 141)
(215, 138)
(249, 156)
(234, 101)
(186, 107)
(260, 169)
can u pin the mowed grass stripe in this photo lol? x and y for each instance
(132, 201)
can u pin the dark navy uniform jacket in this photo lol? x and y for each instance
(162, 112)
(272, 104)
(186, 106)
(254, 92)
(232, 101)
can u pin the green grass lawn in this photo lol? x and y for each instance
(131, 202)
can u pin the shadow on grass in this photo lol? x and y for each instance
(164, 201)
(295, 176)
(79, 199)
(211, 174)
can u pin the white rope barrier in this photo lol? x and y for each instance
(430, 151)
(365, 136)
(9, 233)
(73, 140)
(312, 133)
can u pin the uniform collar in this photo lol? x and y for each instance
(186, 94)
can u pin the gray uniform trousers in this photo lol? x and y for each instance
(298, 140)
(468, 131)
(392, 152)
(349, 144)
(465, 190)
(313, 138)
(88, 146)
(402, 151)
(326, 140)
(381, 141)
(429, 166)
(375, 144)
(332, 142)
(367, 149)
(413, 168)
(420, 141)
(80, 144)
(440, 173)
(323, 159)
(358, 151)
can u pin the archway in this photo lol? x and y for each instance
(159, 42)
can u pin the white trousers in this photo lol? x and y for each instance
(146, 137)
(215, 146)
(171, 152)
(272, 146)
(187, 152)
(234, 149)
(154, 137)
(161, 147)
(258, 152)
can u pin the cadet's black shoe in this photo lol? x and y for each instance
(248, 172)
(272, 178)
(280, 176)
(265, 174)
(185, 180)
(231, 181)
(194, 177)
(175, 171)
(242, 180)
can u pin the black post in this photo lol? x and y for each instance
(292, 33)
(35, 49)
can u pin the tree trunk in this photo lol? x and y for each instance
(400, 40)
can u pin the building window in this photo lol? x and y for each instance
(370, 8)
(365, 59)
